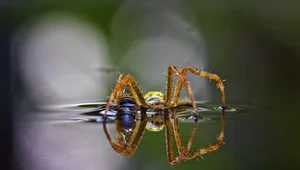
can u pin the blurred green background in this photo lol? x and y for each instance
(254, 45)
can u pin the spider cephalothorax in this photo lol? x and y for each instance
(166, 104)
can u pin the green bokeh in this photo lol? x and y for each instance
(255, 46)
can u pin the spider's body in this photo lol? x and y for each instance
(164, 104)
(128, 112)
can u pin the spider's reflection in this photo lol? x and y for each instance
(131, 122)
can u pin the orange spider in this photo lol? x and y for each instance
(167, 104)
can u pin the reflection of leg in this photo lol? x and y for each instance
(119, 132)
(131, 146)
(132, 135)
(117, 90)
(118, 122)
(177, 134)
(184, 152)
(128, 146)
(213, 146)
(169, 138)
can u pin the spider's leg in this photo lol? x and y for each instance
(176, 96)
(169, 83)
(181, 149)
(181, 76)
(118, 88)
(119, 96)
(178, 87)
(129, 146)
(184, 103)
(200, 73)
(136, 135)
(138, 95)
(119, 93)
(169, 88)
(136, 92)
(131, 136)
(133, 88)
(210, 76)
(211, 147)
(186, 83)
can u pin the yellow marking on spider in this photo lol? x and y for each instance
(159, 94)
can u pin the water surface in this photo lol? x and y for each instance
(72, 137)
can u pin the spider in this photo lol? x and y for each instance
(167, 103)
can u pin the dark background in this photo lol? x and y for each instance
(255, 45)
(5, 90)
